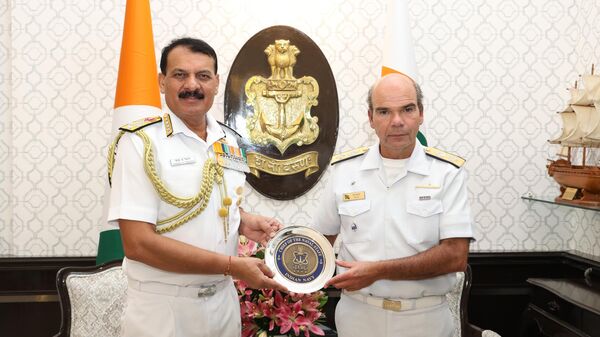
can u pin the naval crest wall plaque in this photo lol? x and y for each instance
(281, 98)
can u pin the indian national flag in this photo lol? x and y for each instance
(398, 51)
(137, 97)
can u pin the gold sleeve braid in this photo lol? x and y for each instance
(211, 173)
(111, 156)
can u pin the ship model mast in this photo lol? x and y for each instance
(579, 184)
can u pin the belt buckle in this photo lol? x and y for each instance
(391, 305)
(207, 290)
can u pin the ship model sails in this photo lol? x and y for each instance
(579, 184)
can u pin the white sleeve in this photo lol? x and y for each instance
(132, 195)
(326, 219)
(456, 221)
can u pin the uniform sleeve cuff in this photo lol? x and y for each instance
(132, 213)
(458, 226)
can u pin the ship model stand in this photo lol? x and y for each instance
(579, 183)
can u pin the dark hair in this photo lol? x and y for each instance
(417, 90)
(195, 45)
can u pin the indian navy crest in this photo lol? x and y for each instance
(281, 98)
(282, 103)
(300, 257)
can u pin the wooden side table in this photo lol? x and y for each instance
(562, 307)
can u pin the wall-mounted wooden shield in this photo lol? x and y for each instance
(281, 98)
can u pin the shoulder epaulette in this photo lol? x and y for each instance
(140, 123)
(340, 157)
(445, 156)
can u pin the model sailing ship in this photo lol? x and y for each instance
(579, 184)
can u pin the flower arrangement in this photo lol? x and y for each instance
(269, 312)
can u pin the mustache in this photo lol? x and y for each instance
(195, 94)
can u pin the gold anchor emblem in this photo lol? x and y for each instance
(282, 103)
(300, 256)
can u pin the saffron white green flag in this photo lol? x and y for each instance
(137, 96)
(398, 51)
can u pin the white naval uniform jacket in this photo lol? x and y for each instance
(179, 161)
(424, 204)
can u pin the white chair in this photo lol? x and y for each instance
(92, 300)
(458, 299)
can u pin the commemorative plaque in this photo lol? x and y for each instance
(281, 98)
(301, 258)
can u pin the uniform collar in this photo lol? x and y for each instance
(213, 131)
(372, 159)
(417, 163)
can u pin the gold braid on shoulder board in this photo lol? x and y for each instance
(191, 206)
(448, 157)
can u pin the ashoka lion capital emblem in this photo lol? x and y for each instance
(282, 102)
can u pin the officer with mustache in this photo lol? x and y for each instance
(176, 195)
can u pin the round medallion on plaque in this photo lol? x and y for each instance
(301, 258)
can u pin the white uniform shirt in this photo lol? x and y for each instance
(424, 204)
(179, 162)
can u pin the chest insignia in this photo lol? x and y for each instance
(230, 156)
(429, 186)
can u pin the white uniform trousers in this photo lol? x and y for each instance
(354, 318)
(148, 314)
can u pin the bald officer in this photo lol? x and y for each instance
(176, 194)
(404, 222)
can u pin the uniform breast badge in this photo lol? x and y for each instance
(301, 258)
(231, 157)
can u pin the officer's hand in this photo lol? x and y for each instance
(254, 272)
(359, 275)
(258, 228)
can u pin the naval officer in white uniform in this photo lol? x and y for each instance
(176, 194)
(403, 218)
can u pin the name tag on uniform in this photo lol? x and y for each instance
(182, 161)
(354, 196)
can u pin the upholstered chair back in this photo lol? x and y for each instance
(92, 300)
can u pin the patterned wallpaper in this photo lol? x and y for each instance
(6, 237)
(493, 74)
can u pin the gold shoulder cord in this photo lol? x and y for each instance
(111, 155)
(211, 173)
